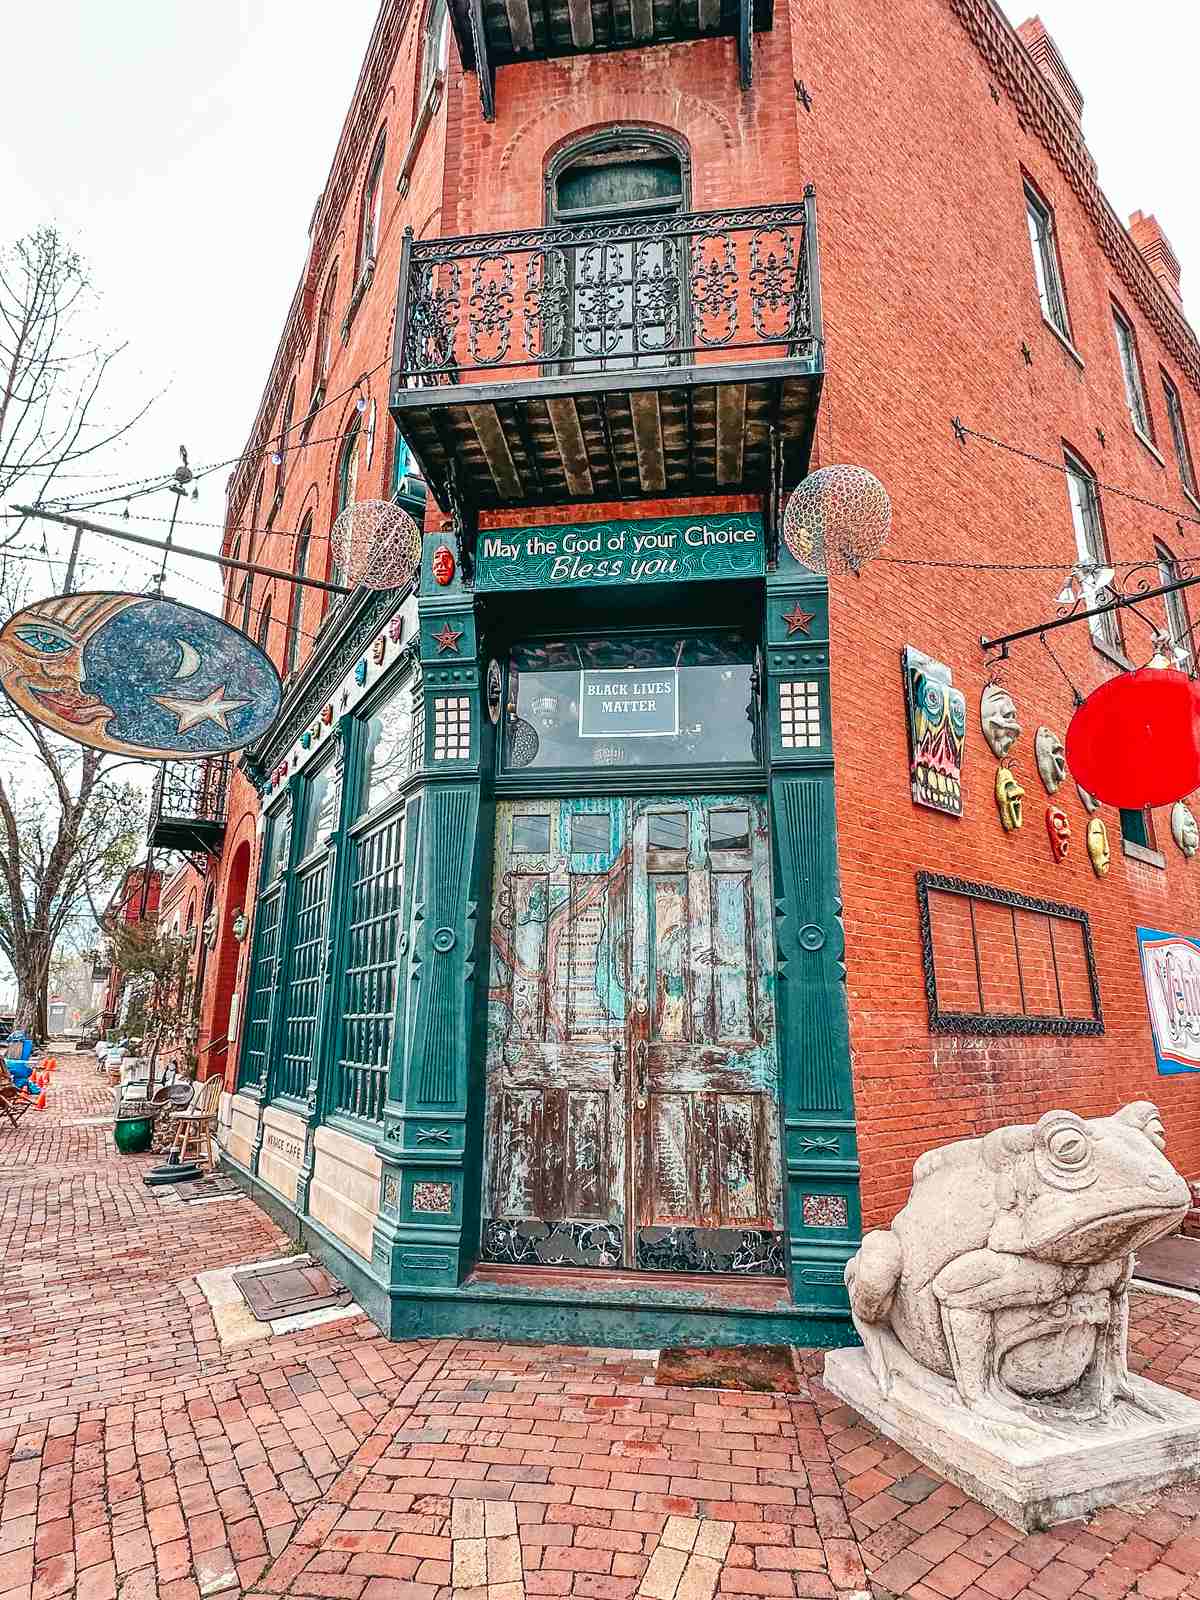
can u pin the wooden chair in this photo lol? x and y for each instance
(196, 1126)
(14, 1102)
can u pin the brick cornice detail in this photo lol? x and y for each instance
(1040, 112)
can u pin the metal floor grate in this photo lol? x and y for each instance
(287, 1288)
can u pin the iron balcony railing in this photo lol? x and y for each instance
(690, 288)
(190, 792)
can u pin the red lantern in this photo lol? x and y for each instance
(1135, 741)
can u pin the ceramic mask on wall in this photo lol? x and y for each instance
(937, 732)
(1097, 846)
(1090, 803)
(1051, 759)
(1058, 826)
(1009, 798)
(998, 719)
(1184, 829)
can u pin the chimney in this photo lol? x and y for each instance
(1157, 253)
(1051, 65)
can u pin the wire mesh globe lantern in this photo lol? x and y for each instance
(837, 519)
(376, 544)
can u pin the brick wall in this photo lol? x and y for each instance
(929, 297)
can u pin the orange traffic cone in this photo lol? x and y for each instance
(51, 1064)
(40, 1103)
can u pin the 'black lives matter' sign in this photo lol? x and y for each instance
(628, 703)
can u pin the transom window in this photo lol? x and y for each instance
(1131, 372)
(1045, 261)
(1092, 549)
(638, 700)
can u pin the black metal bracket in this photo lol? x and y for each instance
(745, 42)
(483, 63)
(772, 500)
(464, 517)
(1076, 612)
(802, 94)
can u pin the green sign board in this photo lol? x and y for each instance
(628, 702)
(578, 555)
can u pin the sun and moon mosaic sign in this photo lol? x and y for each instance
(137, 675)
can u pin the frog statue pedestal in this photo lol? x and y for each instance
(994, 1315)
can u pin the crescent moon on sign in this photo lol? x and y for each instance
(189, 660)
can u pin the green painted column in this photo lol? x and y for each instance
(430, 1147)
(820, 1147)
(284, 858)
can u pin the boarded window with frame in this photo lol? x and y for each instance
(999, 962)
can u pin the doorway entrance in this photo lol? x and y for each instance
(632, 1107)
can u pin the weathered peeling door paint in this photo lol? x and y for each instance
(632, 1105)
(705, 1120)
(556, 1065)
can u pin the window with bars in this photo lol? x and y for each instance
(1092, 550)
(1183, 453)
(999, 962)
(369, 987)
(1131, 372)
(1045, 261)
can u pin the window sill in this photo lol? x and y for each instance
(1139, 852)
(1147, 443)
(1190, 497)
(429, 106)
(1065, 342)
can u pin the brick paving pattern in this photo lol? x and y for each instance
(140, 1460)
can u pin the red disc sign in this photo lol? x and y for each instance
(1135, 741)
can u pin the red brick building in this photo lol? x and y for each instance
(135, 899)
(650, 267)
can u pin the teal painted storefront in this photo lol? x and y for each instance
(379, 1033)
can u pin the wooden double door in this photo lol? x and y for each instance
(632, 1105)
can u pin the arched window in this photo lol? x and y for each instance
(435, 47)
(285, 437)
(324, 346)
(300, 567)
(264, 625)
(347, 481)
(372, 209)
(232, 578)
(626, 174)
(251, 540)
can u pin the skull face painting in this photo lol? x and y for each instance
(137, 676)
(1058, 826)
(1009, 799)
(937, 724)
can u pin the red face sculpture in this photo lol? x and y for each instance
(327, 715)
(443, 564)
(379, 649)
(1058, 826)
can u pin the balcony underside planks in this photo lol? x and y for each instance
(187, 834)
(699, 430)
(531, 30)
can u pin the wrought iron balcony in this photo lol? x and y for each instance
(187, 811)
(613, 360)
(494, 33)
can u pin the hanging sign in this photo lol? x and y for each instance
(137, 676)
(629, 703)
(580, 555)
(1171, 973)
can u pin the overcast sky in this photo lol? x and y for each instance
(183, 149)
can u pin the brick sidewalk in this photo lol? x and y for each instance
(139, 1460)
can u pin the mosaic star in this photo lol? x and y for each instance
(191, 712)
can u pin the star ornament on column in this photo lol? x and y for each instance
(798, 621)
(215, 708)
(447, 639)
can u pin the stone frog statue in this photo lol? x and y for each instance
(1008, 1270)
